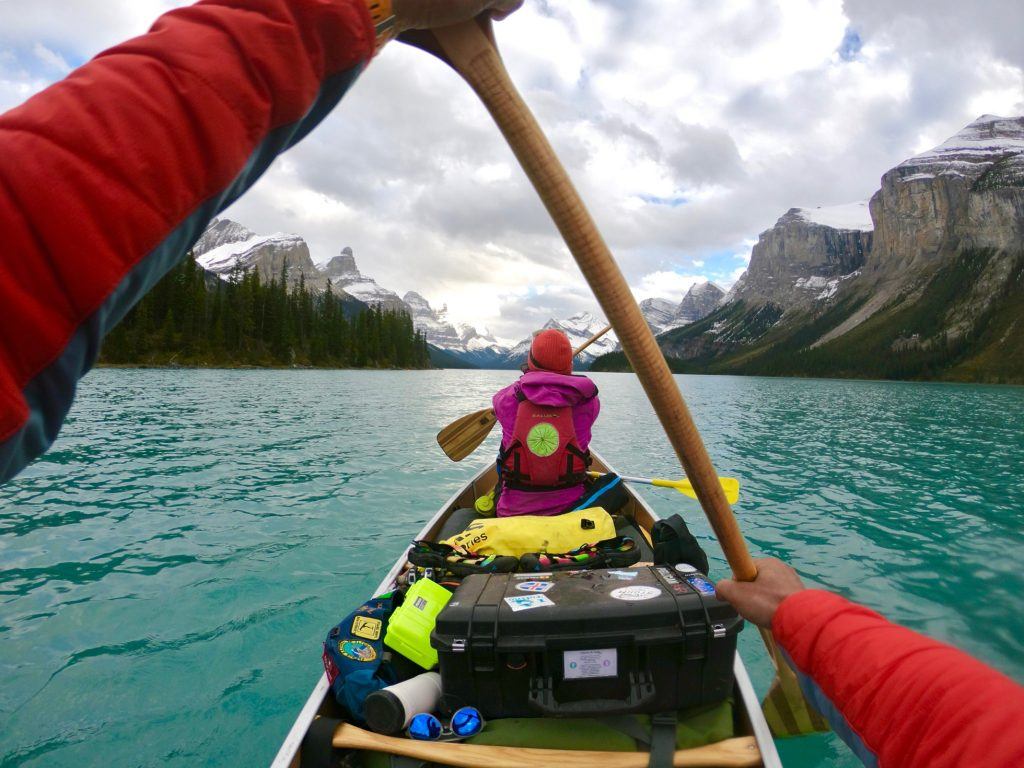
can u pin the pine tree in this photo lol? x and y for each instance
(245, 320)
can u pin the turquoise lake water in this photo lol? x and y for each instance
(169, 568)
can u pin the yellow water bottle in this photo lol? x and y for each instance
(484, 505)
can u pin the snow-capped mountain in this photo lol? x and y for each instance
(975, 149)
(662, 315)
(227, 243)
(220, 250)
(578, 328)
(433, 323)
(806, 256)
(222, 232)
(343, 273)
(465, 342)
(849, 217)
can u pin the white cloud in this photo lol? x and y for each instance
(688, 127)
(51, 59)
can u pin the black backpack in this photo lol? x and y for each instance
(673, 543)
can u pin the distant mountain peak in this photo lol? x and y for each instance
(663, 315)
(970, 152)
(342, 266)
(343, 273)
(221, 232)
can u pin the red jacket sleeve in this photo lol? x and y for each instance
(899, 699)
(109, 176)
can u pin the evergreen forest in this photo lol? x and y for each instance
(191, 318)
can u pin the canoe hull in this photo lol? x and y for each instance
(750, 718)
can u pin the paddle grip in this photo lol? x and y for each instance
(469, 49)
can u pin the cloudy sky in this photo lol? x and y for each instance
(689, 127)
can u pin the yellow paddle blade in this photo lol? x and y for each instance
(730, 485)
(464, 435)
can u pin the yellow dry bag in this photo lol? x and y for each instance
(524, 534)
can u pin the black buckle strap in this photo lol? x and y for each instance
(663, 739)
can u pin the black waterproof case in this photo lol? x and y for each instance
(613, 641)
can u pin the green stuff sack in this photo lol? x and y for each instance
(525, 534)
(697, 727)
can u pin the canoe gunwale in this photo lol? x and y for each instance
(748, 711)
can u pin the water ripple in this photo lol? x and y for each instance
(170, 567)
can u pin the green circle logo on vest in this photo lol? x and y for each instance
(542, 440)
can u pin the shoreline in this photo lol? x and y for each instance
(249, 367)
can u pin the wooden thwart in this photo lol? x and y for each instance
(738, 752)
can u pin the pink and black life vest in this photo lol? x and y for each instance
(544, 454)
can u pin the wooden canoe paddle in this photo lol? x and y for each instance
(470, 49)
(740, 751)
(464, 435)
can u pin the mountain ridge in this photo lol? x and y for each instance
(935, 289)
(228, 247)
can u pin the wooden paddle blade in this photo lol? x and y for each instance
(789, 714)
(737, 752)
(463, 436)
(785, 709)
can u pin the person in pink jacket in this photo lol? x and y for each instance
(546, 418)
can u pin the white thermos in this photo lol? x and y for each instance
(390, 709)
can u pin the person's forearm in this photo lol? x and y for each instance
(898, 698)
(109, 176)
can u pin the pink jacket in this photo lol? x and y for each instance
(558, 391)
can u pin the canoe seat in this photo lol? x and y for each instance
(459, 519)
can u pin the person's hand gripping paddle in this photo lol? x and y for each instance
(464, 435)
(470, 49)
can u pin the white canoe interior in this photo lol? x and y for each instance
(753, 745)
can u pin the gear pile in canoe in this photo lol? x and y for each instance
(607, 654)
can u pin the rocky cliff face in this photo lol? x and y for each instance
(343, 273)
(966, 193)
(699, 302)
(934, 290)
(221, 253)
(806, 254)
(342, 266)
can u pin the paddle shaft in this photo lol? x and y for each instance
(740, 751)
(591, 340)
(644, 480)
(474, 56)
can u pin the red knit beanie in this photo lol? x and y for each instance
(550, 351)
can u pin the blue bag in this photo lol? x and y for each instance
(353, 655)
